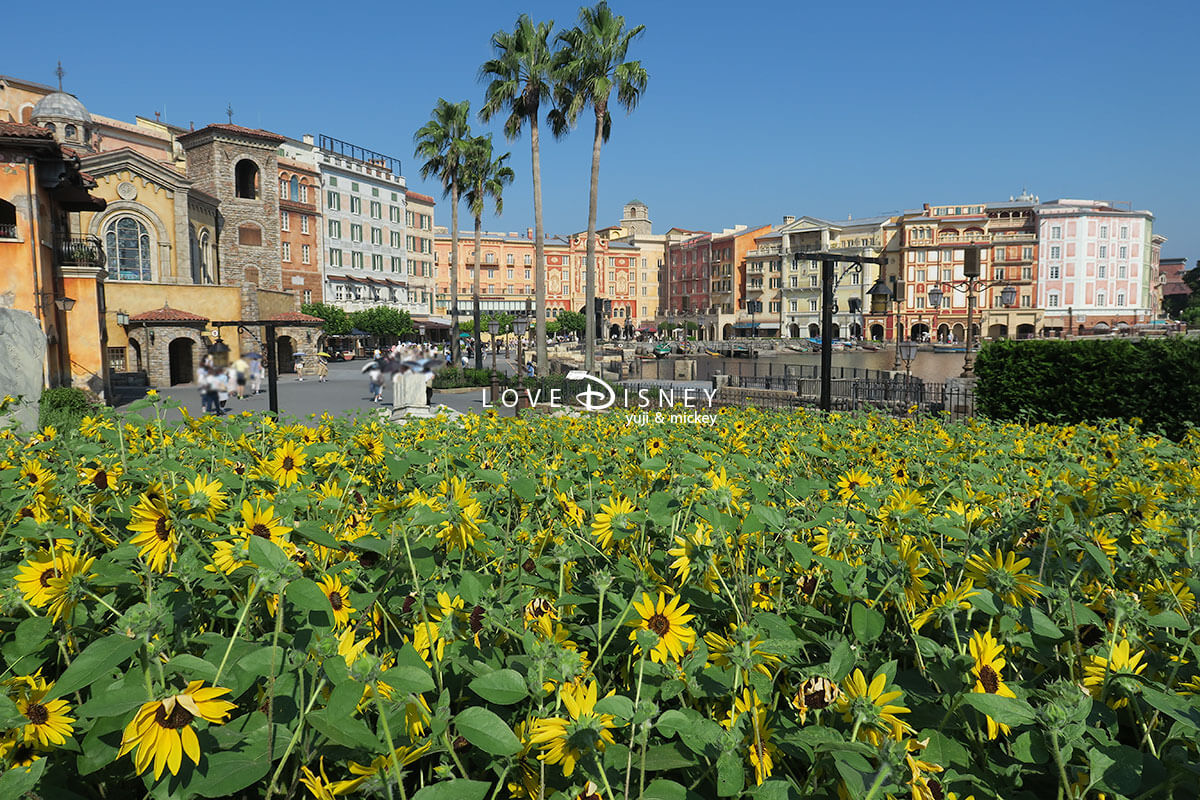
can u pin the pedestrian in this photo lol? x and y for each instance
(375, 383)
(529, 368)
(322, 369)
(243, 370)
(300, 368)
(428, 386)
(255, 374)
(206, 382)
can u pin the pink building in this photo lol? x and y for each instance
(1096, 270)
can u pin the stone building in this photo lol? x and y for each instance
(300, 251)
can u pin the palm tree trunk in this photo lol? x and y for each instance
(589, 358)
(475, 285)
(454, 342)
(539, 252)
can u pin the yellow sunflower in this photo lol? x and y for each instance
(205, 498)
(1004, 574)
(339, 599)
(851, 482)
(669, 622)
(156, 537)
(613, 518)
(1120, 662)
(161, 731)
(655, 445)
(100, 478)
(758, 739)
(461, 530)
(285, 465)
(989, 661)
(49, 723)
(44, 580)
(870, 708)
(263, 523)
(567, 740)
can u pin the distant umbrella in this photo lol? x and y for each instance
(370, 365)
(323, 354)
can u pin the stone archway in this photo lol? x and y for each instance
(837, 331)
(959, 332)
(285, 354)
(794, 330)
(1025, 331)
(918, 332)
(856, 330)
(181, 361)
(997, 331)
(814, 330)
(727, 332)
(943, 333)
(877, 332)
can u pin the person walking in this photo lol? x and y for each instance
(322, 369)
(375, 383)
(206, 382)
(242, 370)
(300, 368)
(255, 375)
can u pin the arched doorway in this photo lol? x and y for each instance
(855, 331)
(837, 331)
(1100, 328)
(877, 332)
(136, 362)
(997, 331)
(814, 330)
(794, 331)
(727, 332)
(919, 332)
(179, 359)
(1025, 331)
(1082, 330)
(943, 334)
(285, 350)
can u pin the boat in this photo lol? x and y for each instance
(662, 350)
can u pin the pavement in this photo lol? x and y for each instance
(345, 390)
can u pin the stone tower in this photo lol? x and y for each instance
(636, 219)
(238, 166)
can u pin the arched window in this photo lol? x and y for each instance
(206, 270)
(50, 127)
(69, 132)
(245, 179)
(127, 247)
(295, 189)
(304, 192)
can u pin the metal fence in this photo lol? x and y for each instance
(899, 395)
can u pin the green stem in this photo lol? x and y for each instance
(236, 629)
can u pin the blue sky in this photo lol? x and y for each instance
(754, 109)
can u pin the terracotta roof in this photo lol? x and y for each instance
(258, 133)
(24, 131)
(167, 314)
(420, 198)
(294, 316)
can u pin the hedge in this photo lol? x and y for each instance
(63, 408)
(1071, 381)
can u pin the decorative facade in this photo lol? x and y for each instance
(300, 226)
(418, 243)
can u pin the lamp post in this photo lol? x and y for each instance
(122, 318)
(908, 352)
(753, 306)
(421, 334)
(493, 329)
(520, 326)
(881, 294)
(971, 285)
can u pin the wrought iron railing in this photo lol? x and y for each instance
(8, 230)
(80, 251)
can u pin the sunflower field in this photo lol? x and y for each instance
(777, 605)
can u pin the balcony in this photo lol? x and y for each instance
(79, 251)
(8, 230)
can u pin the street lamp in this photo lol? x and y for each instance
(520, 326)
(881, 294)
(908, 353)
(493, 329)
(972, 284)
(122, 318)
(421, 333)
(753, 306)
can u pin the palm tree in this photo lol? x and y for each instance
(483, 177)
(442, 143)
(521, 77)
(589, 65)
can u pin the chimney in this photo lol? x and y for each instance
(307, 138)
(788, 219)
(529, 233)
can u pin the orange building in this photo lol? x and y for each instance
(49, 269)
(300, 229)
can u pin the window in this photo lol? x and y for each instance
(1026, 301)
(374, 191)
(1121, 270)
(1026, 273)
(397, 266)
(491, 273)
(527, 274)
(795, 282)
(998, 273)
(245, 179)
(792, 306)
(377, 236)
(333, 181)
(333, 200)
(489, 258)
(812, 305)
(285, 221)
(1026, 253)
(304, 223)
(1056, 252)
(355, 205)
(1052, 300)
(354, 186)
(528, 259)
(127, 248)
(1124, 231)
(355, 232)
(304, 193)
(395, 238)
(948, 274)
(356, 259)
(1120, 298)
(920, 301)
(510, 272)
(1123, 253)
(1103, 251)
(305, 254)
(376, 210)
(1103, 231)
(394, 213)
(308, 295)
(294, 188)
(1055, 232)
(335, 229)
(1101, 271)
(812, 281)
(339, 291)
(1100, 298)
(335, 258)
(377, 262)
(287, 251)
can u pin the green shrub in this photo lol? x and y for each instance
(455, 377)
(1154, 380)
(63, 408)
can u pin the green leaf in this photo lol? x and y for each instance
(1099, 557)
(10, 716)
(985, 601)
(487, 731)
(315, 533)
(454, 790)
(227, 772)
(663, 789)
(30, 635)
(1004, 710)
(408, 678)
(525, 488)
(504, 687)
(113, 703)
(19, 780)
(1041, 624)
(305, 594)
(191, 667)
(346, 731)
(266, 553)
(730, 775)
(663, 757)
(617, 705)
(841, 661)
(98, 660)
(866, 622)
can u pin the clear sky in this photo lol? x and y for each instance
(754, 109)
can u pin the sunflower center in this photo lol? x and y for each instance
(178, 717)
(935, 789)
(989, 679)
(335, 600)
(37, 713)
(160, 529)
(288, 463)
(260, 530)
(100, 481)
(659, 624)
(46, 575)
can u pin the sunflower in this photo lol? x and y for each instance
(613, 518)
(155, 531)
(869, 707)
(849, 484)
(989, 661)
(44, 580)
(669, 622)
(762, 751)
(1160, 596)
(205, 498)
(1004, 574)
(321, 788)
(460, 531)
(339, 599)
(655, 445)
(161, 730)
(285, 464)
(1119, 662)
(721, 491)
(99, 477)
(743, 649)
(49, 724)
(33, 475)
(696, 551)
(567, 740)
(446, 622)
(541, 615)
(260, 522)
(946, 602)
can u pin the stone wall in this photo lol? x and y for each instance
(22, 355)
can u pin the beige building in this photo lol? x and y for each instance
(422, 280)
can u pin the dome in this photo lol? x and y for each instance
(61, 105)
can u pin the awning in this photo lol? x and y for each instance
(649, 328)
(745, 325)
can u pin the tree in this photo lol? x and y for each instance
(572, 322)
(337, 321)
(589, 66)
(521, 75)
(383, 322)
(483, 177)
(442, 143)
